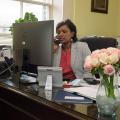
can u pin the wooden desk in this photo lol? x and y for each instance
(30, 103)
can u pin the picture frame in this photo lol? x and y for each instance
(100, 6)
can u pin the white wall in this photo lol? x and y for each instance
(57, 11)
(68, 9)
(62, 9)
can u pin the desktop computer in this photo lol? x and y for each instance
(33, 45)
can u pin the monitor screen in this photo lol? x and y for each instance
(33, 45)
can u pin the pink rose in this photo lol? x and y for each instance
(88, 63)
(104, 58)
(109, 69)
(88, 66)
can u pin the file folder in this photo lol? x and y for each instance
(61, 95)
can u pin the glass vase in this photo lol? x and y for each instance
(108, 97)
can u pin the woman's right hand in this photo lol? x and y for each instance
(56, 43)
(55, 47)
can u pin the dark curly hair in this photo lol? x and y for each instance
(71, 26)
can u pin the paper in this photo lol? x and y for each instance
(88, 91)
(81, 82)
(27, 79)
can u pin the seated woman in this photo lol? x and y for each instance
(70, 55)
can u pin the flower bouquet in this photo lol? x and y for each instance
(106, 63)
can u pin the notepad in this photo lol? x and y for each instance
(67, 97)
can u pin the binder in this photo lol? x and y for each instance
(61, 94)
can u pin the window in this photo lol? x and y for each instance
(8, 16)
(10, 10)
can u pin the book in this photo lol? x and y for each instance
(68, 97)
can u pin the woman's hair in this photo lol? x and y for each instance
(71, 26)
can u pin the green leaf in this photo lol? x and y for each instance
(28, 17)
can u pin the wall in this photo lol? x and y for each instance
(68, 9)
(87, 22)
(92, 23)
(61, 10)
(118, 30)
(57, 12)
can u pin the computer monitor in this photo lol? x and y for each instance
(33, 45)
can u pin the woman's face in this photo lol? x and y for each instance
(64, 34)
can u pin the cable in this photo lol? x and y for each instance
(8, 68)
(8, 63)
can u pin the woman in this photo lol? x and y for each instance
(70, 55)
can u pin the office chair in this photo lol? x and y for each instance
(99, 42)
(95, 43)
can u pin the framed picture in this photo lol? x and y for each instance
(100, 6)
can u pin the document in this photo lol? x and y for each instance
(87, 91)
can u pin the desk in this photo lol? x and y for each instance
(30, 103)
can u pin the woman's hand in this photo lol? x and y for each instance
(55, 47)
(57, 41)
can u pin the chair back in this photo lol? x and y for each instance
(99, 42)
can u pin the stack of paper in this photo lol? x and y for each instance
(87, 91)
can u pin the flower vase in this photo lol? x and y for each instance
(108, 97)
